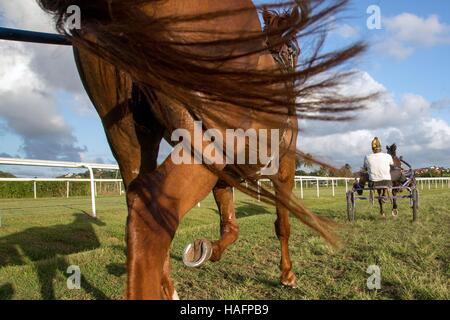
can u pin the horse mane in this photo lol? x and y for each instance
(142, 46)
(273, 19)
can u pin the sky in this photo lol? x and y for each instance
(46, 114)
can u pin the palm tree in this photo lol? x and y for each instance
(305, 160)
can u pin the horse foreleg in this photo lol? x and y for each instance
(380, 193)
(157, 201)
(282, 227)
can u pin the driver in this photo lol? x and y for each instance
(378, 166)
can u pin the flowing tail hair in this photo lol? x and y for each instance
(143, 45)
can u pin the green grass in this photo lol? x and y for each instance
(40, 238)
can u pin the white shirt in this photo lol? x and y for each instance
(379, 166)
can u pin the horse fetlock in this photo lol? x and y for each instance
(289, 279)
(217, 251)
(175, 295)
(395, 213)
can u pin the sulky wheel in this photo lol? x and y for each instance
(415, 203)
(350, 206)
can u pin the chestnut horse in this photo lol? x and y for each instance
(203, 249)
(153, 66)
(285, 51)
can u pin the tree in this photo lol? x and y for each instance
(304, 161)
(6, 175)
(345, 171)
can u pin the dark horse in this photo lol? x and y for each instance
(398, 178)
(153, 66)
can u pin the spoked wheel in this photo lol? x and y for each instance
(415, 203)
(350, 206)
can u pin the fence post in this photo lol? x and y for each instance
(332, 186)
(346, 186)
(317, 188)
(93, 191)
(234, 199)
(301, 188)
(120, 188)
(67, 189)
(259, 190)
(34, 189)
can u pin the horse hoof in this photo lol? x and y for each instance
(395, 213)
(289, 281)
(175, 295)
(197, 253)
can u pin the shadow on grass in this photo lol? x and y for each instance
(45, 247)
(116, 269)
(248, 209)
(6, 291)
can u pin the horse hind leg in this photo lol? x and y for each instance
(167, 283)
(202, 250)
(394, 204)
(155, 208)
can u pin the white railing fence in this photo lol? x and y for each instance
(436, 182)
(301, 183)
(60, 164)
(69, 181)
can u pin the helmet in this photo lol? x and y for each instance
(376, 145)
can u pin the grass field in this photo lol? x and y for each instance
(40, 238)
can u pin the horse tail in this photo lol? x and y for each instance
(305, 9)
(142, 44)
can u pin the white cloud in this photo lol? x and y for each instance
(410, 28)
(54, 64)
(421, 138)
(26, 14)
(28, 109)
(31, 77)
(407, 32)
(346, 31)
